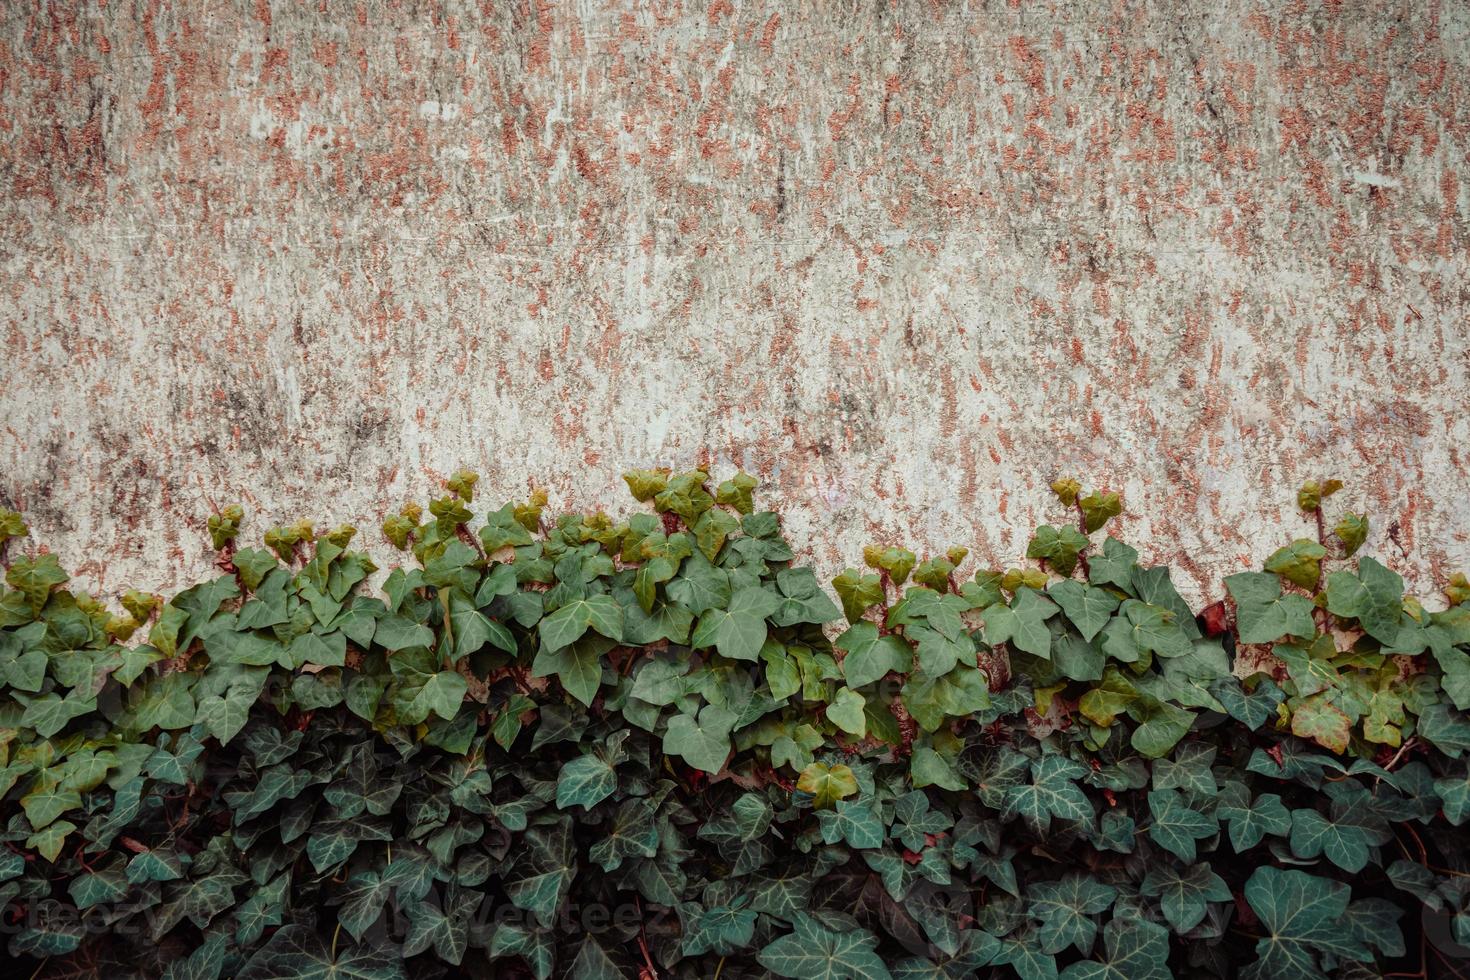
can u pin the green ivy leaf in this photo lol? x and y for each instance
(50, 713)
(1347, 838)
(49, 841)
(1352, 531)
(815, 952)
(1052, 792)
(1454, 793)
(1263, 614)
(1189, 771)
(1022, 623)
(1088, 607)
(34, 578)
(1136, 950)
(1023, 953)
(1066, 909)
(722, 930)
(1301, 916)
(586, 781)
(1253, 707)
(502, 530)
(700, 586)
(631, 833)
(1184, 894)
(1298, 562)
(871, 657)
(929, 768)
(827, 784)
(473, 629)
(98, 887)
(578, 666)
(1115, 566)
(543, 870)
(443, 927)
(566, 625)
(703, 742)
(847, 712)
(803, 599)
(738, 631)
(685, 495)
(1175, 826)
(852, 822)
(711, 530)
(646, 484)
(1099, 508)
(364, 898)
(1251, 820)
(299, 953)
(1160, 725)
(1058, 547)
(930, 700)
(401, 633)
(736, 492)
(897, 562)
(1374, 597)
(858, 593)
(1447, 729)
(1129, 636)
(422, 694)
(1106, 700)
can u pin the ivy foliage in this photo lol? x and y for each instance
(658, 747)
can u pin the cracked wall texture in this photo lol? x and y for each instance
(904, 261)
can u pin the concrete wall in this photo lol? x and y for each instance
(906, 261)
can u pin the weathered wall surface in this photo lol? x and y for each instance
(905, 261)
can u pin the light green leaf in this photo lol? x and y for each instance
(423, 694)
(929, 768)
(578, 666)
(704, 742)
(562, 628)
(1022, 623)
(473, 629)
(1086, 606)
(847, 712)
(827, 784)
(739, 631)
(870, 656)
(1263, 614)
(1299, 562)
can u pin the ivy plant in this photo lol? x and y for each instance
(658, 746)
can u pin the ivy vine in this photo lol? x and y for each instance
(658, 747)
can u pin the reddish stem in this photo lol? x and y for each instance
(1082, 527)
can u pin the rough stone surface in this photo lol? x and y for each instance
(904, 261)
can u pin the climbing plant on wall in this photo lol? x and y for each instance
(658, 746)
